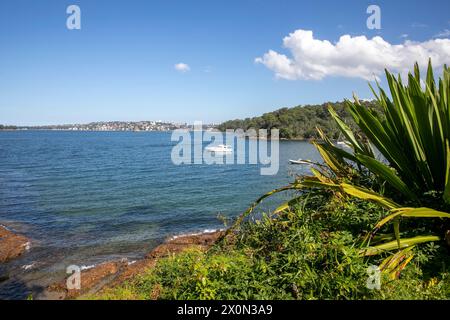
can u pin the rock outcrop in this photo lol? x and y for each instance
(110, 274)
(11, 245)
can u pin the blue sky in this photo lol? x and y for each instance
(120, 65)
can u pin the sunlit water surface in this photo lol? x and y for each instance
(88, 197)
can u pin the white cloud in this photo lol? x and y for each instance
(443, 34)
(182, 67)
(355, 57)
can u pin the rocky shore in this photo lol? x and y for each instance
(12, 245)
(110, 274)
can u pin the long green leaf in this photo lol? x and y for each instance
(447, 176)
(392, 245)
(387, 174)
(367, 194)
(412, 213)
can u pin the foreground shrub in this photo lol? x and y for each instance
(413, 170)
(306, 253)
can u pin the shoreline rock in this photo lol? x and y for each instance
(12, 245)
(113, 273)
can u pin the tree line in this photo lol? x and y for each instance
(5, 127)
(300, 122)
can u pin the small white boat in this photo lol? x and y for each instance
(344, 144)
(300, 161)
(221, 148)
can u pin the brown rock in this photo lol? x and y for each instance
(172, 246)
(178, 244)
(92, 280)
(11, 245)
(110, 274)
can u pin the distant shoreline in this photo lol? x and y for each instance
(141, 131)
(68, 130)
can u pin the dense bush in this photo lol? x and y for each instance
(307, 253)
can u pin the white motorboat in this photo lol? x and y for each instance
(344, 144)
(300, 161)
(221, 148)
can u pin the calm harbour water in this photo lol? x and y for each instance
(88, 197)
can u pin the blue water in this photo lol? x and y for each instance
(88, 197)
